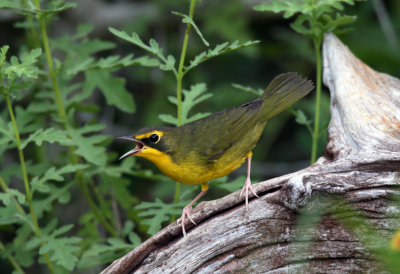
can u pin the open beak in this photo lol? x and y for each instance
(138, 148)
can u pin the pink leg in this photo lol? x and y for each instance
(187, 209)
(247, 185)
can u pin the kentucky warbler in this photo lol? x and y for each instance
(216, 145)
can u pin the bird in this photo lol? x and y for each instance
(216, 145)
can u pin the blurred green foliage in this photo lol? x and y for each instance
(333, 208)
(71, 162)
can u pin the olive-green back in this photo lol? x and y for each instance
(212, 136)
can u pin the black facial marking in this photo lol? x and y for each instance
(154, 141)
(154, 138)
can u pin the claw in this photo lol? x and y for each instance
(186, 212)
(247, 186)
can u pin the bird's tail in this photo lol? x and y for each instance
(284, 90)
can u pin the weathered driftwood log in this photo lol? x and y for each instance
(361, 164)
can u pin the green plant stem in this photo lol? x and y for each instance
(111, 227)
(94, 207)
(177, 192)
(52, 72)
(315, 135)
(99, 198)
(179, 78)
(181, 63)
(31, 34)
(25, 177)
(5, 189)
(12, 261)
(64, 119)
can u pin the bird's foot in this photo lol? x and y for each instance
(247, 186)
(186, 212)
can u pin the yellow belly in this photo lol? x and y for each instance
(191, 171)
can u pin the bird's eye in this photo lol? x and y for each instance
(154, 138)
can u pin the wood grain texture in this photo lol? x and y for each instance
(361, 165)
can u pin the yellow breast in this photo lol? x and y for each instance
(191, 171)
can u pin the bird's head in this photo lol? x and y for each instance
(152, 142)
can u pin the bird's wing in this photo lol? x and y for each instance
(218, 132)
